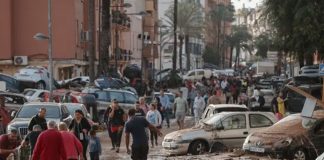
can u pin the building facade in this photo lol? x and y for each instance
(21, 20)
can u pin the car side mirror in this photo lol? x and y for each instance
(220, 127)
(13, 114)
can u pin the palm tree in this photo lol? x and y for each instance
(239, 39)
(218, 17)
(189, 24)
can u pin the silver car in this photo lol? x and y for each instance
(218, 133)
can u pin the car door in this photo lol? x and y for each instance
(130, 100)
(65, 115)
(200, 74)
(234, 130)
(317, 136)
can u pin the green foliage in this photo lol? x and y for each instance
(299, 24)
(262, 44)
(210, 55)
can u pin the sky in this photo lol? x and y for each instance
(247, 3)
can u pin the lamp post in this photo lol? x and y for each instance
(41, 36)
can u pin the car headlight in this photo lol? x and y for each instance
(287, 141)
(247, 140)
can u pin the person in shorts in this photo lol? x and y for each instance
(181, 108)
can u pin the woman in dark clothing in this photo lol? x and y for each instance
(80, 127)
(159, 107)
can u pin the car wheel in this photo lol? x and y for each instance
(198, 147)
(40, 85)
(299, 154)
(218, 147)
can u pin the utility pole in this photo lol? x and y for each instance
(91, 49)
(50, 55)
(104, 37)
(174, 58)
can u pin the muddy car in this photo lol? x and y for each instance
(293, 137)
(223, 131)
(213, 109)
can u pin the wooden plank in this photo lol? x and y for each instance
(307, 95)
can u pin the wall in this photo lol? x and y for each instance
(5, 29)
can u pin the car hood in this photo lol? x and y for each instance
(188, 134)
(23, 122)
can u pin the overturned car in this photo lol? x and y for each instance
(294, 137)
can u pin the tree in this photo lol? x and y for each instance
(211, 56)
(189, 24)
(103, 66)
(263, 44)
(218, 17)
(298, 24)
(239, 39)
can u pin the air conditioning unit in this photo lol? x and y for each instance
(20, 60)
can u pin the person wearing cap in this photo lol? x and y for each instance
(31, 138)
(117, 119)
(139, 110)
(49, 145)
(80, 127)
(9, 143)
(38, 119)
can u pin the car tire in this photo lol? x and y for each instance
(198, 147)
(40, 85)
(299, 154)
(218, 147)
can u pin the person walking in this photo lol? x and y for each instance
(31, 138)
(166, 108)
(143, 105)
(80, 127)
(9, 143)
(136, 127)
(180, 109)
(108, 124)
(4, 116)
(154, 117)
(199, 105)
(94, 146)
(117, 118)
(139, 110)
(214, 99)
(38, 119)
(73, 147)
(49, 145)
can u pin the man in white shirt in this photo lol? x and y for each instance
(199, 105)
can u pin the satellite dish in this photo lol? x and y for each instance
(308, 122)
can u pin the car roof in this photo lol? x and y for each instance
(215, 106)
(43, 104)
(7, 75)
(73, 104)
(168, 93)
(11, 94)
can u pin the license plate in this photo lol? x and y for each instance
(257, 149)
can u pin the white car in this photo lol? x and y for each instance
(222, 131)
(321, 157)
(35, 95)
(213, 109)
(37, 75)
(80, 80)
(197, 74)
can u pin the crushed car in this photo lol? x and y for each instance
(223, 131)
(294, 137)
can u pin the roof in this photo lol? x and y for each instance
(227, 106)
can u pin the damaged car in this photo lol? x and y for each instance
(294, 137)
(220, 132)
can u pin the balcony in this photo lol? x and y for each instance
(121, 20)
(149, 5)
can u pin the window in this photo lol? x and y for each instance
(257, 120)
(191, 74)
(116, 95)
(234, 122)
(103, 96)
(30, 111)
(130, 98)
(201, 73)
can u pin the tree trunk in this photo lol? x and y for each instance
(181, 37)
(187, 52)
(174, 58)
(104, 38)
(91, 49)
(237, 58)
(231, 57)
(218, 42)
(224, 45)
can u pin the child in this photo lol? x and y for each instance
(154, 117)
(94, 146)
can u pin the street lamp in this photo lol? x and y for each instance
(41, 36)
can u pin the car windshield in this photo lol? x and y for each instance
(29, 92)
(213, 120)
(73, 108)
(29, 111)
